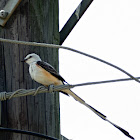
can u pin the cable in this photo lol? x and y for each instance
(104, 82)
(70, 49)
(23, 92)
(27, 132)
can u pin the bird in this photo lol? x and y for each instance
(45, 74)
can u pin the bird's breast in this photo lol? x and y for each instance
(42, 76)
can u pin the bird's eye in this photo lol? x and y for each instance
(30, 57)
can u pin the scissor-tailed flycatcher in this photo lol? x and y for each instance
(44, 73)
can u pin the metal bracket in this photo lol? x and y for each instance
(75, 17)
(8, 10)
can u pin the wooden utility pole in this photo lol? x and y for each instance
(33, 20)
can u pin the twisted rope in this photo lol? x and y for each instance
(70, 49)
(23, 92)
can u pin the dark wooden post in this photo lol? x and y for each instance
(33, 20)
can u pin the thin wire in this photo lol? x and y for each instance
(70, 49)
(107, 81)
(42, 89)
(27, 132)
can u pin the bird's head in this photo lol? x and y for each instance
(30, 58)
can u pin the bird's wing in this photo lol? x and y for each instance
(50, 69)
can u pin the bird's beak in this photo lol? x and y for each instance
(23, 60)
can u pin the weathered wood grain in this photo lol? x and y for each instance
(33, 20)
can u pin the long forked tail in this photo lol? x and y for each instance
(77, 98)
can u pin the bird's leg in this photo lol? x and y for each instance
(51, 88)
